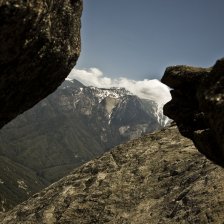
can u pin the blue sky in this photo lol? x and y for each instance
(138, 39)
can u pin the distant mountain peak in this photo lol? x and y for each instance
(114, 92)
(154, 107)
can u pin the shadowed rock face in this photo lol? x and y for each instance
(39, 44)
(158, 178)
(197, 106)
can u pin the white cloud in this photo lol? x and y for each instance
(145, 89)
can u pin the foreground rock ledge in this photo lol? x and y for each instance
(159, 178)
(39, 44)
(197, 106)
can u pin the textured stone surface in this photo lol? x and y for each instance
(39, 44)
(197, 106)
(159, 178)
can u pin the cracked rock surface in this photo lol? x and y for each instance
(197, 106)
(158, 178)
(39, 45)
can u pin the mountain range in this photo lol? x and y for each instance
(71, 126)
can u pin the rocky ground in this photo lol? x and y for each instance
(158, 178)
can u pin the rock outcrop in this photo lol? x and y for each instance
(197, 106)
(158, 178)
(39, 44)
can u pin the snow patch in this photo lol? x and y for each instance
(115, 93)
(161, 118)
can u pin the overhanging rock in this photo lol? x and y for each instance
(39, 45)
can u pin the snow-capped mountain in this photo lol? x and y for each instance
(115, 114)
(116, 93)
